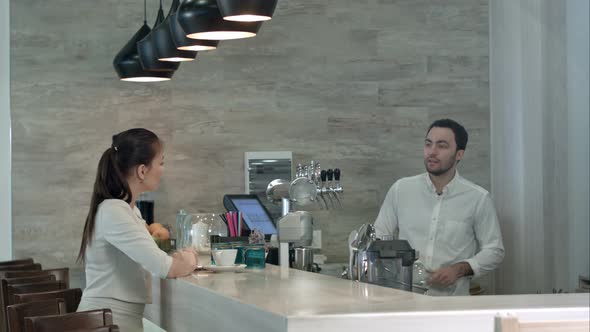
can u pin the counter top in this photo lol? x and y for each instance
(297, 300)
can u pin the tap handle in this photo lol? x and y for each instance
(337, 174)
(323, 175)
(330, 174)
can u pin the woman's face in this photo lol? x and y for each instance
(154, 171)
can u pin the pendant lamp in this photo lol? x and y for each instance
(183, 43)
(201, 19)
(247, 10)
(147, 50)
(162, 39)
(128, 65)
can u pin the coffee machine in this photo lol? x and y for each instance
(386, 263)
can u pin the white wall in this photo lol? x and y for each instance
(539, 139)
(5, 156)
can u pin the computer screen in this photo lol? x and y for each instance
(254, 214)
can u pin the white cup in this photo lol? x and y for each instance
(224, 257)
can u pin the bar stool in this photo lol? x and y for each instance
(71, 296)
(16, 313)
(72, 321)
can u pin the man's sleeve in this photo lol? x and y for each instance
(386, 222)
(489, 238)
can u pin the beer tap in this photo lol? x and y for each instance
(337, 187)
(315, 177)
(327, 182)
(330, 174)
(325, 190)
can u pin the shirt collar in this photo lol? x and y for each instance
(448, 188)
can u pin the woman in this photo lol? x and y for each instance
(117, 248)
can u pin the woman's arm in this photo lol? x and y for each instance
(184, 262)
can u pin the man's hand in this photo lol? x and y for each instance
(447, 276)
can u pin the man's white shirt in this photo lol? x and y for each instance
(460, 225)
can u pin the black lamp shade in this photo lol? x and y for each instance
(162, 39)
(201, 19)
(183, 43)
(128, 65)
(247, 10)
(146, 48)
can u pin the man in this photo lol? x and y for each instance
(450, 221)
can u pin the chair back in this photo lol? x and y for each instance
(37, 287)
(61, 274)
(16, 313)
(21, 267)
(23, 261)
(71, 296)
(4, 296)
(20, 274)
(72, 321)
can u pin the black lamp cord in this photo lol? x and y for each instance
(144, 12)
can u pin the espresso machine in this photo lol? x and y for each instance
(386, 263)
(295, 228)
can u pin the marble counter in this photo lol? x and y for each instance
(268, 300)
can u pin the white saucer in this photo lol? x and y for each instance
(229, 268)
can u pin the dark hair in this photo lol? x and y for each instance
(461, 136)
(130, 148)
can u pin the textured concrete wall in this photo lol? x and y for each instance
(353, 84)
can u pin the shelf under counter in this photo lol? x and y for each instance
(266, 300)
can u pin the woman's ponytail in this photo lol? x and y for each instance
(129, 148)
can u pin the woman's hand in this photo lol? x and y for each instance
(184, 262)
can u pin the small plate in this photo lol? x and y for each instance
(230, 268)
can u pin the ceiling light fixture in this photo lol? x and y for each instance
(247, 10)
(164, 44)
(201, 19)
(127, 63)
(183, 43)
(147, 50)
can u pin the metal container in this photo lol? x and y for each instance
(386, 263)
(303, 259)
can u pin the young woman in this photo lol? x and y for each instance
(119, 253)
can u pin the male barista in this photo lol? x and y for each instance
(450, 221)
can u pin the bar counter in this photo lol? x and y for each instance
(268, 300)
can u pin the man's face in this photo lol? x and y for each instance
(440, 151)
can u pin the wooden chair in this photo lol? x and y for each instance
(16, 313)
(4, 301)
(71, 296)
(21, 267)
(38, 287)
(61, 274)
(23, 261)
(72, 321)
(20, 274)
(508, 323)
(110, 328)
